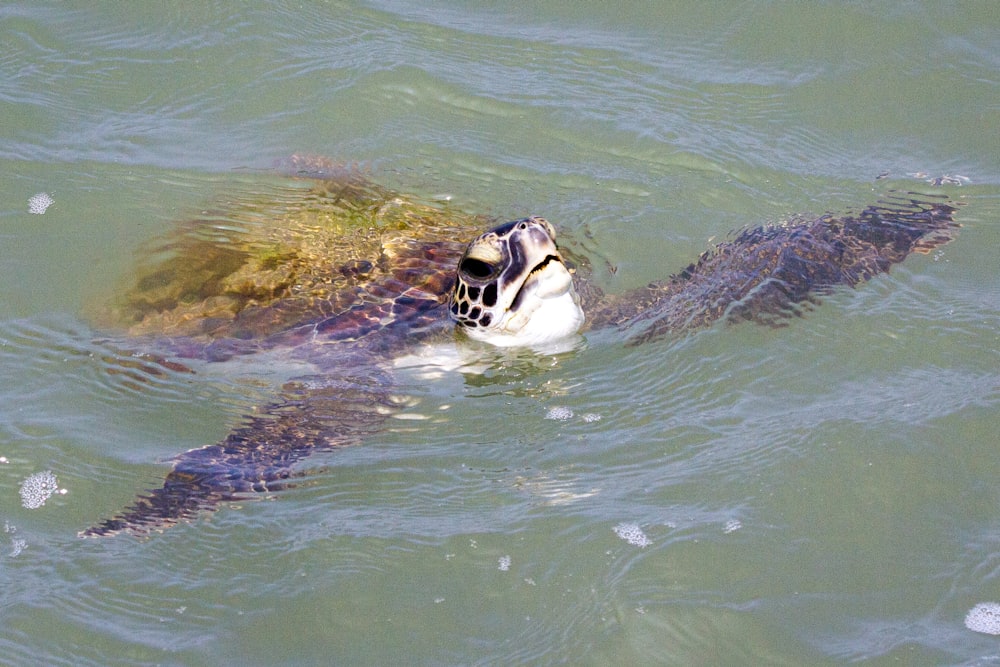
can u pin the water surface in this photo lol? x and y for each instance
(823, 492)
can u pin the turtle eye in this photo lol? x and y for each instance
(476, 268)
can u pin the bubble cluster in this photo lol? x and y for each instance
(732, 526)
(632, 533)
(562, 413)
(37, 488)
(38, 204)
(985, 618)
(503, 563)
(559, 413)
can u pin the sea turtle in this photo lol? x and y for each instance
(345, 276)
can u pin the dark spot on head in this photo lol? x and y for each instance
(461, 291)
(454, 307)
(464, 308)
(473, 293)
(490, 295)
(486, 319)
(475, 313)
(505, 228)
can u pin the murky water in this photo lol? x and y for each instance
(823, 492)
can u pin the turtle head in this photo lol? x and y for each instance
(513, 287)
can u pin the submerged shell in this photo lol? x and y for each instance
(293, 253)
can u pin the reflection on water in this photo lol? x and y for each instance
(820, 492)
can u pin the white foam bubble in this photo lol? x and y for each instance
(17, 545)
(985, 618)
(732, 526)
(562, 413)
(37, 488)
(39, 203)
(559, 413)
(632, 533)
(503, 564)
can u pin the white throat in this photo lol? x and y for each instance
(539, 322)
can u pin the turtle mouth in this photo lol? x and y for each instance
(532, 278)
(541, 266)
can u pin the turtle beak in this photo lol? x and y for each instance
(536, 280)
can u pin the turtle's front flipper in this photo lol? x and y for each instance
(321, 412)
(764, 274)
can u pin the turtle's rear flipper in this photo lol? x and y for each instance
(321, 412)
(180, 498)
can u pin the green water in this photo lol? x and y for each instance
(820, 493)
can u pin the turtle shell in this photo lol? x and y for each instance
(301, 251)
